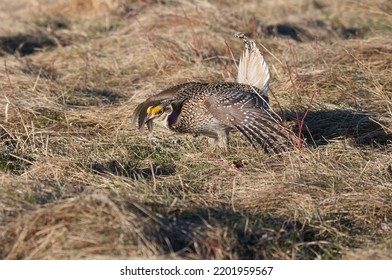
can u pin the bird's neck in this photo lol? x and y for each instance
(172, 119)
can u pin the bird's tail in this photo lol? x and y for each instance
(253, 69)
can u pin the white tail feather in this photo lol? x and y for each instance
(253, 69)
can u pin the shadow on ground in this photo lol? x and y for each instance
(130, 170)
(26, 44)
(226, 234)
(84, 97)
(321, 127)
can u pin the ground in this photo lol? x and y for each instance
(77, 182)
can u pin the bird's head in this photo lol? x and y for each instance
(158, 113)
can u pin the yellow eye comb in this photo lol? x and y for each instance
(154, 110)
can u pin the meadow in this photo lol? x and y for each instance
(77, 182)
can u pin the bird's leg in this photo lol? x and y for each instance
(221, 140)
(212, 141)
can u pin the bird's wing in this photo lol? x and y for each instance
(140, 112)
(250, 115)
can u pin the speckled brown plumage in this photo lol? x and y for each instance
(214, 109)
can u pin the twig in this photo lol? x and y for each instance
(6, 108)
(294, 93)
(8, 77)
(317, 49)
(254, 27)
(36, 80)
(87, 66)
(52, 69)
(303, 119)
(153, 176)
(5, 94)
(277, 101)
(271, 54)
(295, 62)
(297, 94)
(195, 41)
(231, 60)
(232, 196)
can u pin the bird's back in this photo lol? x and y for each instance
(194, 115)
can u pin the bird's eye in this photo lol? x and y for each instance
(159, 112)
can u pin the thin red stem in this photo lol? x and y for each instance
(230, 59)
(8, 77)
(195, 41)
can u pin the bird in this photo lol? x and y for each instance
(215, 109)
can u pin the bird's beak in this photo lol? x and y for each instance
(148, 122)
(148, 118)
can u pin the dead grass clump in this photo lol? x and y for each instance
(370, 54)
(61, 229)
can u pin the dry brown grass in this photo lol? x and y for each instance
(77, 183)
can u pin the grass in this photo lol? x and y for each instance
(77, 183)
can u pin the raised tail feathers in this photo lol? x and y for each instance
(252, 69)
